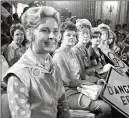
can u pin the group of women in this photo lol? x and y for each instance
(40, 85)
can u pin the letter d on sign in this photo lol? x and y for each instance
(110, 90)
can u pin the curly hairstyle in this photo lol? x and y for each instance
(14, 27)
(95, 32)
(104, 27)
(19, 26)
(67, 26)
(83, 23)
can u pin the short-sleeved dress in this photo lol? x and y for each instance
(35, 90)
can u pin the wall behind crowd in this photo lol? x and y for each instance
(81, 9)
(117, 12)
(92, 10)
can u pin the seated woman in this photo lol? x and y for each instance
(35, 88)
(108, 39)
(73, 76)
(96, 56)
(81, 49)
(104, 44)
(112, 43)
(16, 49)
(105, 35)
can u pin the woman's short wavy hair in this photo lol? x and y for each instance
(80, 23)
(67, 26)
(33, 16)
(95, 32)
(14, 27)
(104, 27)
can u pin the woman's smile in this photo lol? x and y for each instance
(50, 43)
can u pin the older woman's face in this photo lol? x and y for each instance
(69, 38)
(46, 35)
(18, 36)
(84, 35)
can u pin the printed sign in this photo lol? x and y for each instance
(125, 54)
(116, 92)
(115, 59)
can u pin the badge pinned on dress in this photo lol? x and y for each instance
(36, 71)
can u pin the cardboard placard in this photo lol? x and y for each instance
(116, 92)
(125, 54)
(115, 59)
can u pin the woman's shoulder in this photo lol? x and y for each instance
(12, 46)
(60, 51)
(57, 54)
(90, 49)
(76, 49)
(9, 50)
(19, 71)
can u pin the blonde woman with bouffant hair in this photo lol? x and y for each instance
(33, 17)
(35, 88)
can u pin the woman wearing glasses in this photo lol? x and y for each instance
(35, 89)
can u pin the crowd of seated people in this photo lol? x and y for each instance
(71, 71)
(79, 56)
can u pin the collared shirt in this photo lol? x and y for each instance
(83, 55)
(13, 53)
(36, 91)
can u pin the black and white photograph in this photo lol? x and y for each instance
(64, 59)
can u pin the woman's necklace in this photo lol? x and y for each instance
(41, 62)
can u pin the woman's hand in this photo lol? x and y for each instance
(101, 82)
(87, 83)
(116, 49)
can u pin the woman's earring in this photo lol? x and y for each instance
(59, 37)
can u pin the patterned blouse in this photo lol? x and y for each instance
(35, 89)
